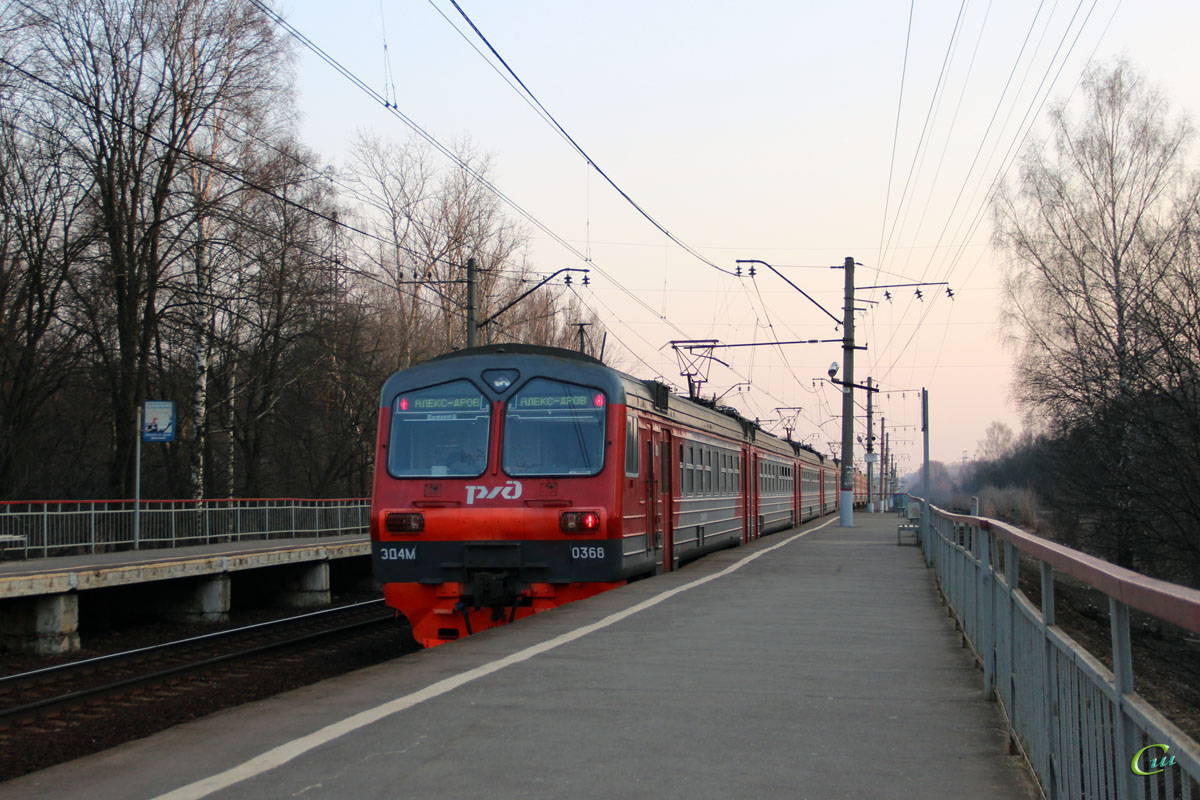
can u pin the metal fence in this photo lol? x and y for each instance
(35, 529)
(1085, 731)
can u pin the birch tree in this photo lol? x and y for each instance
(1099, 223)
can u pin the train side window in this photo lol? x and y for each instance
(690, 476)
(631, 446)
(683, 471)
(708, 471)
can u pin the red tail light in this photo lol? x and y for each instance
(579, 521)
(404, 523)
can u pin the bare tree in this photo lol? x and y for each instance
(393, 185)
(41, 241)
(998, 442)
(431, 223)
(285, 292)
(134, 83)
(1098, 226)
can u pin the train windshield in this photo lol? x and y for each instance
(554, 428)
(439, 431)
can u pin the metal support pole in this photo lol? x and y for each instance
(882, 506)
(1127, 733)
(472, 329)
(846, 515)
(884, 495)
(925, 511)
(870, 451)
(1050, 682)
(986, 603)
(137, 481)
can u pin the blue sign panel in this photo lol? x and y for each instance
(158, 421)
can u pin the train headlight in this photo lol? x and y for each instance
(404, 523)
(579, 521)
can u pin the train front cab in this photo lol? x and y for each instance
(526, 521)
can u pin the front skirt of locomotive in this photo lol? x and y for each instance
(448, 590)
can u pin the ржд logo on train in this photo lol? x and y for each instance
(511, 490)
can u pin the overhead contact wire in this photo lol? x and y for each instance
(581, 151)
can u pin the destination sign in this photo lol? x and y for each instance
(557, 401)
(426, 404)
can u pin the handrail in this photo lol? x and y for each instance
(1171, 602)
(51, 527)
(145, 501)
(1082, 726)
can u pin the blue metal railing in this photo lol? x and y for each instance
(38, 529)
(1085, 731)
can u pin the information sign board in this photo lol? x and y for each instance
(158, 421)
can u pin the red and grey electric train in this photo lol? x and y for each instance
(511, 479)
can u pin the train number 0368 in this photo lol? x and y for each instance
(582, 553)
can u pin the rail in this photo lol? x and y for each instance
(88, 526)
(1083, 728)
(77, 683)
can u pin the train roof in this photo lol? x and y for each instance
(516, 348)
(646, 395)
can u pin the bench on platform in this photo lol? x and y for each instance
(908, 530)
(12, 541)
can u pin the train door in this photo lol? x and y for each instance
(657, 508)
(752, 467)
(797, 494)
(663, 512)
(744, 493)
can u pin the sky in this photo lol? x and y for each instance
(796, 133)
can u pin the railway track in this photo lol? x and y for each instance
(58, 713)
(28, 695)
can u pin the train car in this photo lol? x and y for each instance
(829, 491)
(511, 479)
(860, 489)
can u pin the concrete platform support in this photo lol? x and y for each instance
(201, 600)
(307, 586)
(45, 625)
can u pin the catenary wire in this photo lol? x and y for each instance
(591, 161)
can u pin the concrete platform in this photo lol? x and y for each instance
(40, 598)
(102, 570)
(814, 664)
